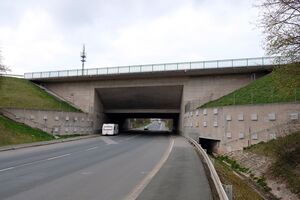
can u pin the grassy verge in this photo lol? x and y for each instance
(241, 190)
(285, 152)
(21, 93)
(15, 133)
(282, 85)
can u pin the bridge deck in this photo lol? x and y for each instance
(199, 67)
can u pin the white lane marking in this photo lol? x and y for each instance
(5, 169)
(55, 157)
(108, 141)
(92, 148)
(34, 162)
(141, 186)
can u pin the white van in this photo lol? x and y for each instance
(110, 129)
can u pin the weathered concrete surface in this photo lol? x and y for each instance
(87, 95)
(53, 122)
(237, 126)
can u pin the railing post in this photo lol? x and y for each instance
(217, 64)
(190, 65)
(164, 67)
(262, 61)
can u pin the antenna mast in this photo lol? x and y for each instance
(83, 58)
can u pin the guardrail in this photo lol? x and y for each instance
(211, 169)
(244, 62)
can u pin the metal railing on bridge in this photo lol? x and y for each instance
(228, 63)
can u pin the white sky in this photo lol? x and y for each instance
(48, 35)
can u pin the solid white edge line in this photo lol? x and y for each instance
(146, 180)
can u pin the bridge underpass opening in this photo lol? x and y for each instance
(119, 104)
(149, 124)
(209, 144)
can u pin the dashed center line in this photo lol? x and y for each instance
(5, 169)
(52, 158)
(92, 148)
(34, 162)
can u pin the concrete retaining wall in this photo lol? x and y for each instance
(241, 126)
(53, 122)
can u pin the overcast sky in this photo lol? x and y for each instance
(48, 35)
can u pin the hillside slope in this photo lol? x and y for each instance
(21, 93)
(12, 132)
(282, 85)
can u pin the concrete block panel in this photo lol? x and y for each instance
(67, 118)
(45, 117)
(228, 134)
(204, 111)
(272, 116)
(56, 118)
(294, 116)
(75, 119)
(204, 124)
(254, 136)
(241, 117)
(254, 117)
(32, 117)
(215, 111)
(241, 135)
(228, 117)
(197, 112)
(215, 124)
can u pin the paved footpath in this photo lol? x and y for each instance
(181, 177)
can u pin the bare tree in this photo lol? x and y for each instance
(3, 68)
(280, 20)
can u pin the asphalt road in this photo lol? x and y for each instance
(106, 168)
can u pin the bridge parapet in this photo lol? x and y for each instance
(165, 67)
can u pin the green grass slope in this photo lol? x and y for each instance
(285, 151)
(12, 133)
(282, 85)
(21, 93)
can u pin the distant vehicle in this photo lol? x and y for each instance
(146, 128)
(110, 129)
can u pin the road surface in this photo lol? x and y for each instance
(106, 168)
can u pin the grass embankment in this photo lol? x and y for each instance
(12, 133)
(21, 93)
(282, 85)
(285, 151)
(241, 190)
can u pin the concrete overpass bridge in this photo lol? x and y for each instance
(153, 90)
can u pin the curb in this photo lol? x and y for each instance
(36, 144)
